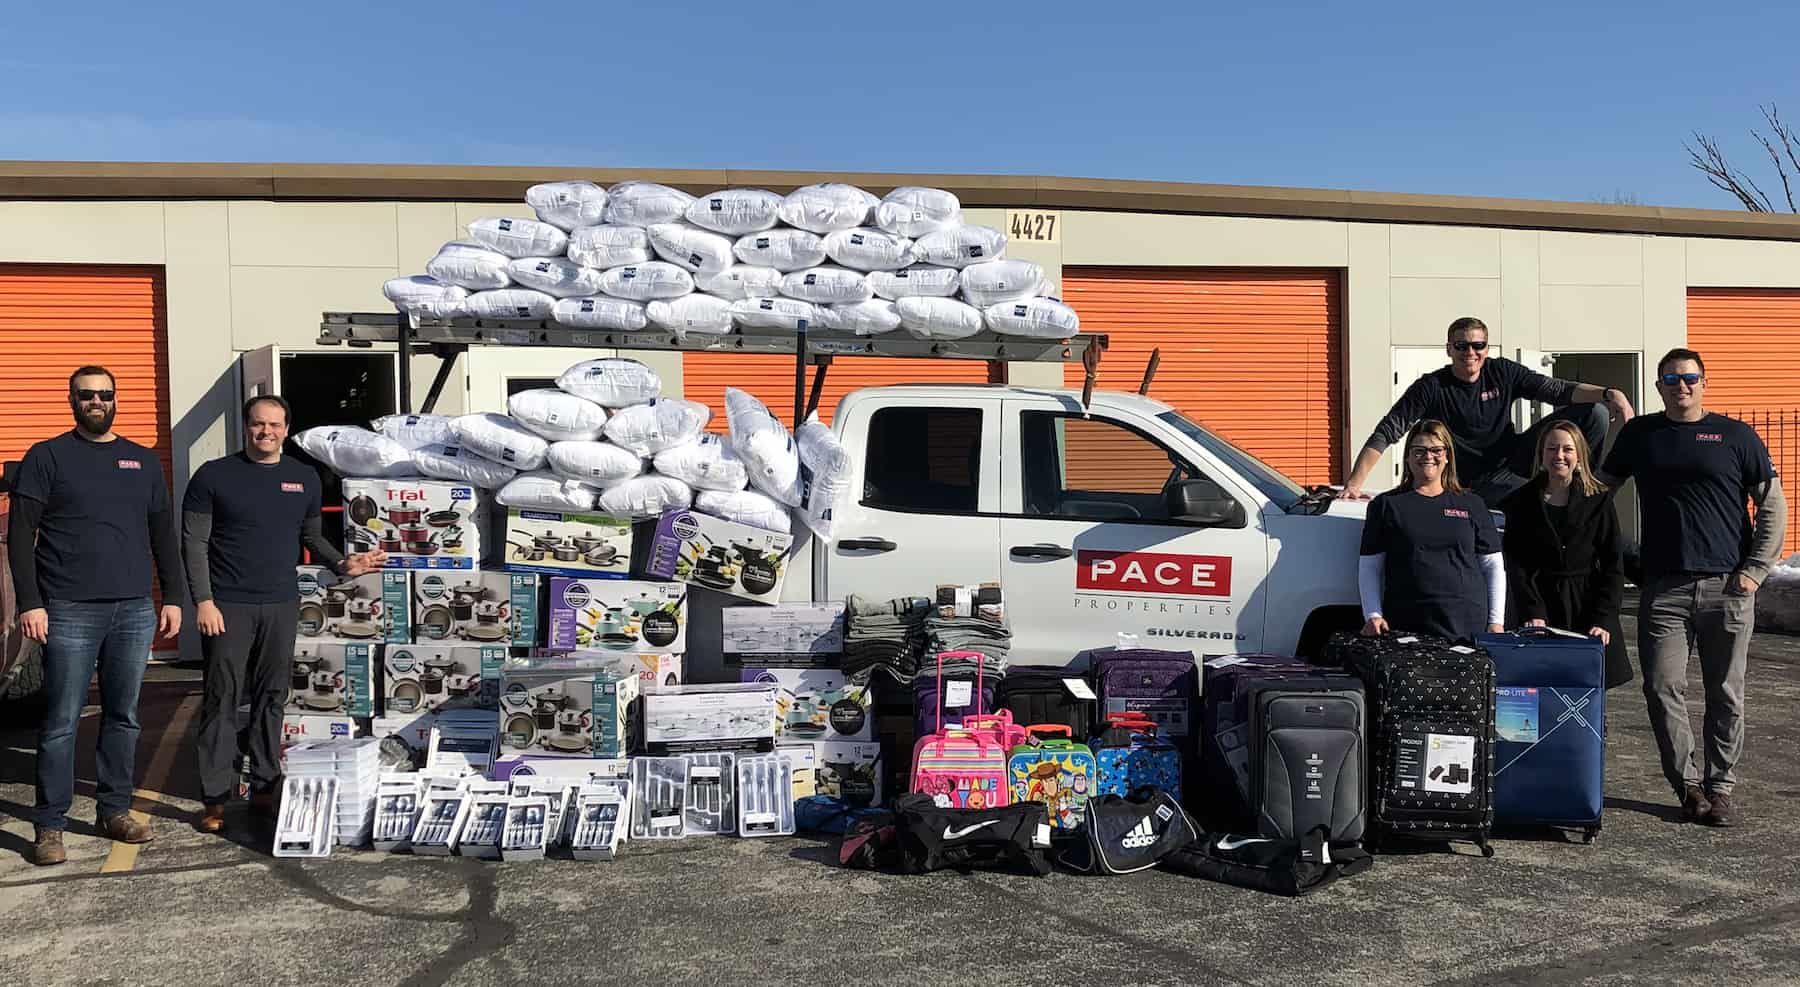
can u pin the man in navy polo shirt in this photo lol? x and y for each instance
(1703, 560)
(243, 522)
(90, 510)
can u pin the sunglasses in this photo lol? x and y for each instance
(88, 394)
(1670, 380)
(1465, 345)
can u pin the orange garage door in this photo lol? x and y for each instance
(1747, 336)
(1256, 355)
(704, 377)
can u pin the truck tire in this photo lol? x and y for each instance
(1321, 624)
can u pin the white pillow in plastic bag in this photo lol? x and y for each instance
(870, 318)
(736, 211)
(1039, 318)
(566, 205)
(765, 446)
(691, 248)
(775, 313)
(557, 415)
(745, 507)
(741, 281)
(555, 276)
(706, 464)
(519, 237)
(501, 439)
(939, 318)
(597, 463)
(646, 496)
(869, 249)
(452, 462)
(647, 429)
(422, 292)
(414, 431)
(470, 265)
(612, 382)
(828, 207)
(995, 281)
(644, 203)
(783, 250)
(509, 303)
(695, 313)
(547, 492)
(599, 312)
(609, 246)
(961, 246)
(825, 285)
(917, 281)
(643, 282)
(914, 211)
(827, 479)
(356, 451)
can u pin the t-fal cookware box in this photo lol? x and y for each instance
(825, 706)
(721, 555)
(786, 635)
(420, 524)
(477, 608)
(333, 676)
(566, 543)
(686, 719)
(617, 615)
(567, 706)
(371, 607)
(298, 727)
(419, 678)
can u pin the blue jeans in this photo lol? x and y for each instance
(113, 636)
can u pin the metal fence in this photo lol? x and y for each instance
(1780, 431)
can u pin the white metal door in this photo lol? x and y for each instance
(1411, 363)
(1529, 413)
(259, 373)
(1082, 565)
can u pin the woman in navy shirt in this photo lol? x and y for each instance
(1431, 559)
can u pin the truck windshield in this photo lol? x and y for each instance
(1275, 486)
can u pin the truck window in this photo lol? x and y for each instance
(923, 460)
(1094, 470)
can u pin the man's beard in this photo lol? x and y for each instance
(86, 424)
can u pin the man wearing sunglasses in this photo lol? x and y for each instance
(1474, 396)
(1703, 560)
(90, 511)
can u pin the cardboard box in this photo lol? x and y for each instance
(593, 546)
(463, 742)
(421, 524)
(850, 771)
(300, 727)
(721, 555)
(653, 669)
(333, 676)
(824, 705)
(786, 635)
(685, 719)
(372, 607)
(568, 770)
(476, 608)
(418, 678)
(567, 707)
(804, 760)
(617, 615)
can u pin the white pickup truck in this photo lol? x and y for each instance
(1123, 517)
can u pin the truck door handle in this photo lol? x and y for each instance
(867, 544)
(1041, 551)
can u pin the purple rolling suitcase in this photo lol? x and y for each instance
(1162, 685)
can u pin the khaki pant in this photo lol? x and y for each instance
(1675, 615)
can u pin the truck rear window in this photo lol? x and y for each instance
(923, 460)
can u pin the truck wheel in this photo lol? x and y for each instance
(27, 676)
(1320, 625)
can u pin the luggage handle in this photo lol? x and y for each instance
(976, 698)
(1128, 718)
(981, 739)
(1034, 729)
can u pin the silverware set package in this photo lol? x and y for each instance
(527, 828)
(710, 808)
(303, 828)
(601, 817)
(659, 798)
(765, 795)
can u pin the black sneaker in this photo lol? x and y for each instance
(1721, 810)
(1694, 805)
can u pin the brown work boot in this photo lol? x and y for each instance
(1694, 806)
(1721, 810)
(213, 819)
(124, 829)
(48, 850)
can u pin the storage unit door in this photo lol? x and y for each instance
(1746, 336)
(1254, 354)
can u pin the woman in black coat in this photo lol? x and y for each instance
(1564, 567)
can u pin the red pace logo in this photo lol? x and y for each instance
(130, 464)
(293, 488)
(1153, 572)
(1456, 512)
(1489, 395)
(1709, 437)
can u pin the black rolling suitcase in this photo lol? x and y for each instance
(1431, 709)
(1040, 695)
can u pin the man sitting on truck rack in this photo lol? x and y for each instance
(1474, 396)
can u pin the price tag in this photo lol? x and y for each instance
(1033, 225)
(958, 693)
(1079, 689)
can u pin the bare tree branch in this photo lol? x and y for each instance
(1710, 161)
(1782, 146)
(1773, 115)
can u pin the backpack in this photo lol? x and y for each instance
(1129, 755)
(1126, 835)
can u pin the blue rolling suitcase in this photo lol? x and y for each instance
(1550, 718)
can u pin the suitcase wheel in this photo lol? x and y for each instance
(1487, 849)
(1588, 836)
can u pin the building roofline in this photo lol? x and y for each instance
(59, 180)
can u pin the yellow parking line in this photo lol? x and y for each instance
(123, 856)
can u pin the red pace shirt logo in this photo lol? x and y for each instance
(1489, 395)
(1709, 437)
(1456, 512)
(1153, 572)
(130, 464)
(293, 488)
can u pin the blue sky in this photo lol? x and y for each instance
(1529, 99)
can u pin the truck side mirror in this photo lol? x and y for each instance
(1205, 503)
